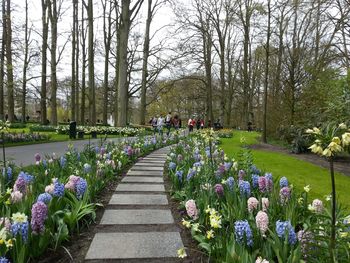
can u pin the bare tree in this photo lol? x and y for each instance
(9, 64)
(45, 33)
(2, 59)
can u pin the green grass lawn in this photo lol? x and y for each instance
(299, 173)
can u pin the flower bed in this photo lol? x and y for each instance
(48, 202)
(239, 213)
(225, 133)
(11, 137)
(124, 131)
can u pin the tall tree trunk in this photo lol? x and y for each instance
(73, 65)
(10, 86)
(144, 64)
(83, 67)
(123, 64)
(207, 45)
(2, 60)
(107, 43)
(117, 59)
(45, 34)
(92, 100)
(53, 18)
(25, 64)
(77, 63)
(267, 62)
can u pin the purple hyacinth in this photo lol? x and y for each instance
(102, 150)
(81, 187)
(283, 182)
(284, 194)
(39, 215)
(230, 182)
(219, 189)
(20, 185)
(255, 181)
(58, 189)
(45, 198)
(4, 260)
(241, 174)
(244, 188)
(37, 157)
(172, 166)
(269, 182)
(243, 232)
(21, 229)
(179, 175)
(285, 228)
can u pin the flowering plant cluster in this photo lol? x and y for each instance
(43, 205)
(124, 131)
(239, 213)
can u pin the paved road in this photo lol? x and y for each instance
(24, 155)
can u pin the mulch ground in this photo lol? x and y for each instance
(341, 164)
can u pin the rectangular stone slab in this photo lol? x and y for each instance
(145, 173)
(134, 245)
(147, 168)
(141, 188)
(142, 179)
(161, 156)
(136, 217)
(138, 199)
(145, 164)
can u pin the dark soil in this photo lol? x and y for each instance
(341, 164)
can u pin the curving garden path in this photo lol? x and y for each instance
(137, 225)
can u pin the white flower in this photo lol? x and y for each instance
(346, 139)
(307, 188)
(19, 217)
(181, 253)
(342, 126)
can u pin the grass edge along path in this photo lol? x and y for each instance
(299, 173)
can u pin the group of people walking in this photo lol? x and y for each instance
(192, 122)
(158, 123)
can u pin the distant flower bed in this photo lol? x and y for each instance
(42, 128)
(225, 133)
(239, 213)
(43, 205)
(124, 131)
(25, 137)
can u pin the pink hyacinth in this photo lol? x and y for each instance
(5, 222)
(262, 222)
(16, 197)
(37, 157)
(252, 204)
(317, 205)
(265, 203)
(39, 215)
(72, 182)
(219, 189)
(262, 184)
(191, 209)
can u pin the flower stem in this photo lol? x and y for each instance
(332, 241)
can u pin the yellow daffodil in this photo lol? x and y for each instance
(186, 223)
(307, 188)
(315, 148)
(9, 243)
(19, 217)
(181, 253)
(328, 197)
(2, 241)
(327, 152)
(344, 234)
(210, 234)
(215, 221)
(195, 227)
(309, 131)
(316, 130)
(300, 201)
(336, 140)
(8, 191)
(342, 126)
(335, 146)
(346, 139)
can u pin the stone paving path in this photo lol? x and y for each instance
(137, 225)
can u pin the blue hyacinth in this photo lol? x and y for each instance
(58, 189)
(230, 183)
(254, 170)
(243, 232)
(179, 175)
(197, 164)
(20, 229)
(45, 198)
(63, 161)
(255, 180)
(7, 173)
(81, 187)
(227, 166)
(268, 176)
(78, 157)
(87, 168)
(26, 177)
(4, 260)
(172, 166)
(283, 227)
(283, 182)
(190, 174)
(244, 188)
